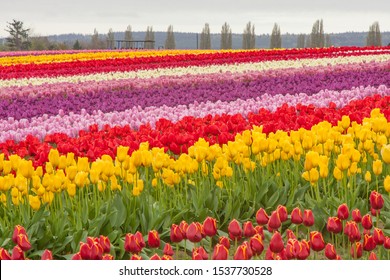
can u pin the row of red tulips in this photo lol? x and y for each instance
(81, 67)
(249, 240)
(177, 137)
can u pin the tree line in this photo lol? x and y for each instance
(19, 38)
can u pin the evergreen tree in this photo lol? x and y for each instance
(205, 38)
(248, 38)
(128, 37)
(226, 37)
(18, 39)
(77, 46)
(317, 37)
(276, 38)
(374, 37)
(149, 37)
(110, 39)
(170, 41)
(301, 41)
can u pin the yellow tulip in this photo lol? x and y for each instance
(54, 157)
(345, 122)
(386, 183)
(314, 175)
(71, 172)
(48, 197)
(71, 189)
(62, 163)
(338, 174)
(121, 153)
(343, 162)
(377, 167)
(219, 184)
(39, 171)
(26, 168)
(35, 202)
(154, 182)
(385, 153)
(7, 166)
(136, 191)
(3, 198)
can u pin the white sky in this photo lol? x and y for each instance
(48, 17)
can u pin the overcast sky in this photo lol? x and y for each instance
(47, 17)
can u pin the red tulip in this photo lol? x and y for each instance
(168, 250)
(17, 231)
(274, 221)
(220, 252)
(330, 252)
(210, 226)
(177, 234)
(105, 243)
(282, 211)
(290, 234)
(387, 243)
(356, 251)
(376, 200)
(379, 237)
(194, 233)
(77, 257)
(23, 242)
(353, 232)
(223, 240)
(132, 244)
(234, 229)
(308, 218)
(368, 243)
(248, 228)
(17, 253)
(47, 255)
(155, 257)
(4, 255)
(166, 258)
(317, 241)
(276, 244)
(241, 253)
(135, 257)
(343, 212)
(85, 251)
(372, 256)
(367, 222)
(140, 238)
(375, 212)
(304, 253)
(153, 239)
(259, 230)
(262, 217)
(107, 257)
(184, 226)
(196, 256)
(334, 225)
(293, 248)
(256, 244)
(356, 216)
(201, 252)
(296, 216)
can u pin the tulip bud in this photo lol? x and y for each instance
(376, 200)
(220, 252)
(356, 251)
(105, 243)
(296, 216)
(85, 251)
(276, 244)
(330, 252)
(256, 244)
(23, 242)
(135, 257)
(138, 235)
(121, 153)
(248, 228)
(17, 253)
(177, 234)
(274, 221)
(234, 229)
(47, 255)
(168, 250)
(343, 212)
(308, 218)
(223, 240)
(132, 244)
(367, 222)
(153, 239)
(282, 211)
(334, 225)
(356, 216)
(96, 251)
(210, 226)
(353, 232)
(377, 167)
(18, 230)
(4, 255)
(262, 217)
(368, 243)
(372, 256)
(107, 257)
(201, 252)
(387, 243)
(155, 257)
(378, 236)
(317, 241)
(194, 233)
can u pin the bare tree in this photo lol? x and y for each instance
(110, 39)
(317, 37)
(18, 39)
(248, 38)
(205, 38)
(276, 38)
(328, 41)
(170, 41)
(128, 37)
(149, 37)
(95, 41)
(374, 37)
(301, 41)
(226, 37)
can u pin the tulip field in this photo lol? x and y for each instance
(195, 154)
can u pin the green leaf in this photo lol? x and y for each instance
(271, 203)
